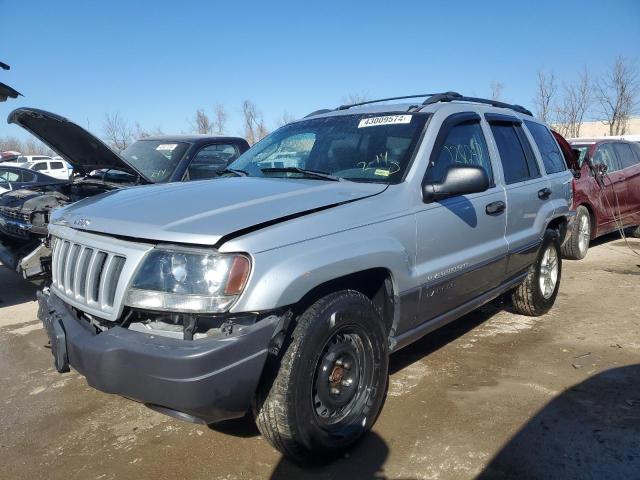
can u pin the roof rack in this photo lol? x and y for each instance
(454, 96)
(433, 98)
(345, 107)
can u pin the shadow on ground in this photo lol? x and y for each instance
(591, 430)
(15, 290)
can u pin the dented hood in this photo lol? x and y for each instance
(207, 212)
(78, 147)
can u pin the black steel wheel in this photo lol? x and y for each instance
(330, 384)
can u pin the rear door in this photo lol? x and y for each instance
(461, 250)
(527, 191)
(630, 188)
(614, 181)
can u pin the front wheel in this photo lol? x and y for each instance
(331, 382)
(538, 292)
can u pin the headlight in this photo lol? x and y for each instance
(176, 279)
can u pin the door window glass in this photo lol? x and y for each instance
(625, 155)
(517, 160)
(9, 176)
(551, 154)
(39, 166)
(56, 165)
(465, 145)
(210, 160)
(605, 154)
(512, 155)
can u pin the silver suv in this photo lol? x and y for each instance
(284, 285)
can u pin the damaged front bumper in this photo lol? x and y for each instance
(206, 380)
(31, 260)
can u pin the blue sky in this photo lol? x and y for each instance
(157, 62)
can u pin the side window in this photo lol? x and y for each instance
(636, 149)
(551, 154)
(605, 154)
(40, 166)
(27, 176)
(518, 162)
(9, 176)
(625, 155)
(56, 165)
(465, 145)
(210, 160)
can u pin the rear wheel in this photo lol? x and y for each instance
(537, 293)
(577, 245)
(634, 232)
(331, 382)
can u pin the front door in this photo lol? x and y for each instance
(461, 247)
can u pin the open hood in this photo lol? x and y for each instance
(570, 155)
(77, 146)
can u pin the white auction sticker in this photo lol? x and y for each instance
(386, 120)
(170, 147)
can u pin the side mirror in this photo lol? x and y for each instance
(601, 168)
(6, 185)
(458, 180)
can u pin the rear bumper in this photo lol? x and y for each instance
(209, 379)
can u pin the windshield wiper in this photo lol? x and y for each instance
(234, 171)
(302, 171)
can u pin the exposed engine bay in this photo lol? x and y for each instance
(24, 217)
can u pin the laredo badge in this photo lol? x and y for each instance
(386, 120)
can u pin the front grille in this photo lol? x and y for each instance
(87, 275)
(15, 215)
(15, 223)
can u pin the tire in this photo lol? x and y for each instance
(577, 245)
(296, 408)
(634, 232)
(529, 298)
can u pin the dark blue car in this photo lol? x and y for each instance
(15, 178)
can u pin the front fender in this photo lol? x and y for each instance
(283, 276)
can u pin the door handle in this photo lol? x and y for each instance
(495, 208)
(544, 193)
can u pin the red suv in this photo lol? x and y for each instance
(607, 194)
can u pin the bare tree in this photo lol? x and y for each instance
(29, 146)
(496, 90)
(200, 123)
(617, 93)
(352, 98)
(545, 93)
(140, 132)
(577, 100)
(254, 126)
(284, 119)
(220, 120)
(117, 131)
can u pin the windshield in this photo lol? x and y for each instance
(365, 147)
(155, 159)
(583, 149)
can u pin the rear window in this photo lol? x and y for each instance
(549, 150)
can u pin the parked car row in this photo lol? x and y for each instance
(24, 213)
(282, 285)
